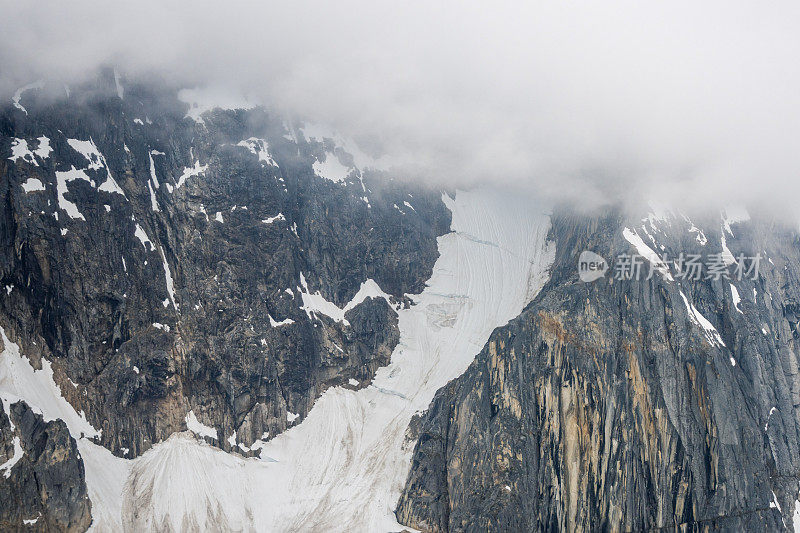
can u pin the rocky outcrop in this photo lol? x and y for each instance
(626, 405)
(166, 264)
(42, 483)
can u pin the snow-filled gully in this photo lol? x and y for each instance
(343, 467)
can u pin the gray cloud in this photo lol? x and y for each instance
(582, 101)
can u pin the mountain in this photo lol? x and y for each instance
(624, 404)
(220, 318)
(209, 273)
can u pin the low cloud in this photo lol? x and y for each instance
(588, 102)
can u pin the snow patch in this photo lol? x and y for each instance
(769, 416)
(6, 467)
(646, 252)
(97, 161)
(20, 381)
(153, 176)
(270, 220)
(153, 202)
(733, 215)
(727, 256)
(89, 151)
(111, 186)
(168, 280)
(274, 323)
(701, 237)
(331, 169)
(316, 303)
(198, 428)
(62, 178)
(204, 99)
(32, 185)
(320, 132)
(774, 502)
(20, 150)
(710, 332)
(735, 297)
(44, 150)
(143, 238)
(260, 148)
(189, 172)
(19, 92)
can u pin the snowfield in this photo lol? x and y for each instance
(343, 467)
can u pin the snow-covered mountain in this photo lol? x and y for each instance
(216, 319)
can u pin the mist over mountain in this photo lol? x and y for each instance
(379, 267)
(589, 103)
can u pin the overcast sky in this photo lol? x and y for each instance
(584, 101)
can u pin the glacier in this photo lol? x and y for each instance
(343, 467)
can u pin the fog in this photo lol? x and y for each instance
(588, 102)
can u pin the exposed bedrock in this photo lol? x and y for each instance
(624, 405)
(42, 484)
(167, 266)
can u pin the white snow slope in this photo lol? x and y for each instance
(343, 467)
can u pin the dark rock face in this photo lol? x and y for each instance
(607, 406)
(45, 489)
(167, 266)
(158, 262)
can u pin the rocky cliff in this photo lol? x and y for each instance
(42, 484)
(173, 271)
(222, 267)
(625, 404)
